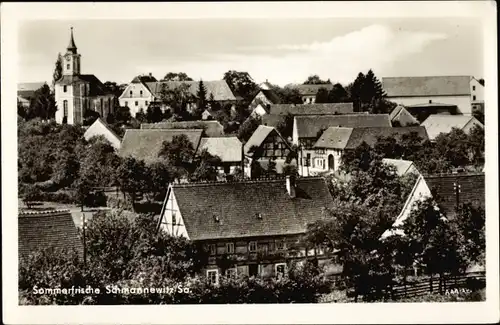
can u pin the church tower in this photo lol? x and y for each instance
(71, 61)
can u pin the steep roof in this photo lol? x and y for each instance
(350, 138)
(97, 88)
(395, 112)
(312, 109)
(238, 205)
(436, 123)
(219, 88)
(40, 230)
(229, 149)
(308, 126)
(427, 86)
(143, 79)
(99, 127)
(402, 166)
(310, 90)
(271, 96)
(258, 137)
(146, 143)
(472, 190)
(212, 128)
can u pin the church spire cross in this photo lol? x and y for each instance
(72, 47)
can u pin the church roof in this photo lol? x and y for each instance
(71, 46)
(97, 88)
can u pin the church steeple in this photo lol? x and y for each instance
(72, 47)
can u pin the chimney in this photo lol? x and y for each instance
(290, 185)
(150, 74)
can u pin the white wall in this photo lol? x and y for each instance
(462, 102)
(60, 97)
(473, 122)
(97, 128)
(179, 229)
(314, 167)
(130, 100)
(476, 89)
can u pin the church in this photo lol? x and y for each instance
(76, 94)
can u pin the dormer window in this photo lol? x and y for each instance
(473, 88)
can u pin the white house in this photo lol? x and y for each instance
(436, 124)
(403, 167)
(137, 96)
(434, 91)
(99, 127)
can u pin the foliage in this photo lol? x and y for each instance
(271, 167)
(89, 117)
(242, 84)
(338, 94)
(42, 104)
(154, 114)
(176, 98)
(57, 70)
(248, 128)
(454, 147)
(202, 97)
(470, 226)
(316, 80)
(367, 94)
(141, 116)
(176, 76)
(31, 194)
(179, 154)
(205, 167)
(288, 95)
(285, 126)
(131, 177)
(322, 96)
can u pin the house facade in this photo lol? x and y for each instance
(101, 128)
(241, 237)
(458, 91)
(228, 149)
(76, 93)
(437, 124)
(308, 92)
(266, 144)
(137, 95)
(401, 117)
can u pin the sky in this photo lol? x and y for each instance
(281, 51)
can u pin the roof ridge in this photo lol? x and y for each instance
(435, 76)
(252, 181)
(453, 174)
(42, 213)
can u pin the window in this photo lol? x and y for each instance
(131, 93)
(308, 159)
(65, 88)
(65, 108)
(136, 103)
(232, 273)
(126, 104)
(474, 97)
(213, 249)
(67, 66)
(252, 246)
(280, 245)
(227, 169)
(174, 219)
(320, 151)
(473, 87)
(146, 103)
(230, 248)
(213, 276)
(140, 92)
(430, 101)
(280, 270)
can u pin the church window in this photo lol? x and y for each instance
(65, 88)
(136, 103)
(474, 97)
(67, 66)
(65, 108)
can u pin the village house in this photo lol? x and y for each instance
(136, 95)
(207, 115)
(326, 154)
(308, 92)
(401, 117)
(228, 149)
(436, 94)
(266, 96)
(101, 128)
(210, 128)
(249, 228)
(47, 229)
(437, 124)
(145, 93)
(77, 93)
(403, 167)
(26, 91)
(266, 144)
(307, 130)
(448, 190)
(146, 144)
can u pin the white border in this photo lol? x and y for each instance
(319, 313)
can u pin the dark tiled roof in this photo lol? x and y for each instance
(309, 126)
(258, 137)
(311, 90)
(334, 138)
(370, 135)
(40, 230)
(272, 120)
(212, 128)
(143, 79)
(271, 96)
(238, 204)
(312, 109)
(219, 88)
(146, 143)
(472, 190)
(427, 86)
(97, 88)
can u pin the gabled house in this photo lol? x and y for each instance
(309, 92)
(210, 128)
(326, 154)
(207, 115)
(403, 167)
(401, 117)
(146, 144)
(47, 229)
(137, 96)
(254, 225)
(266, 144)
(99, 127)
(260, 103)
(437, 92)
(448, 190)
(228, 149)
(436, 124)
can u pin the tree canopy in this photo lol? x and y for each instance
(176, 76)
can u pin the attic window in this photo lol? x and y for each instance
(216, 218)
(140, 92)
(131, 93)
(473, 87)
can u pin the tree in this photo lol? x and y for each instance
(159, 178)
(322, 96)
(470, 226)
(177, 98)
(114, 88)
(141, 116)
(122, 115)
(178, 154)
(241, 84)
(206, 167)
(356, 90)
(453, 146)
(476, 145)
(90, 116)
(202, 98)
(316, 80)
(285, 126)
(154, 114)
(131, 177)
(479, 115)
(338, 94)
(248, 128)
(57, 70)
(176, 76)
(31, 194)
(42, 104)
(288, 95)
